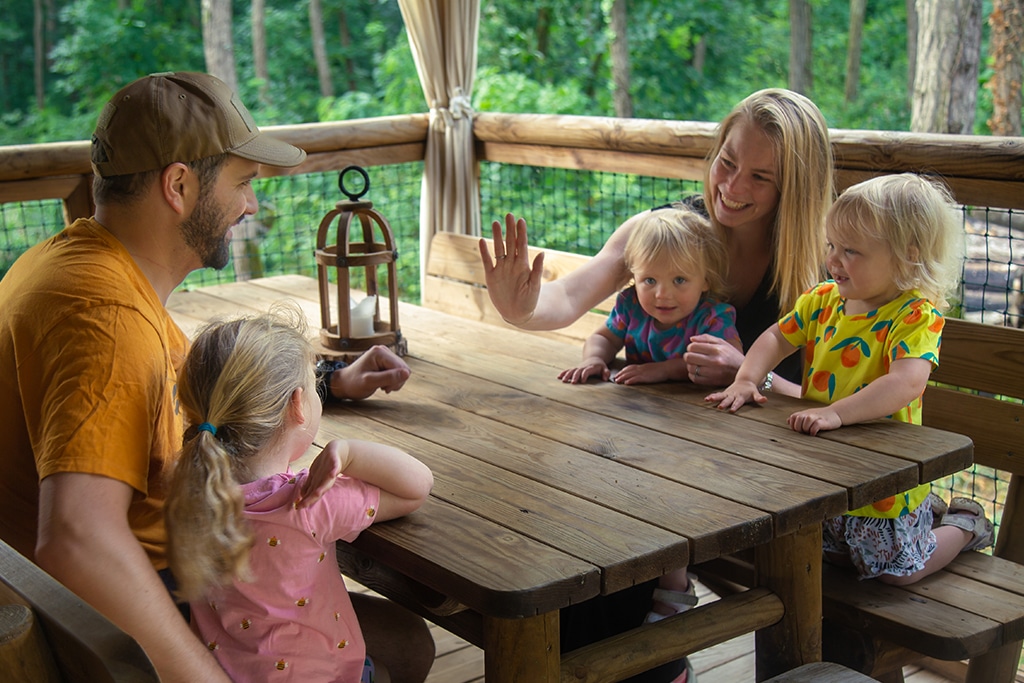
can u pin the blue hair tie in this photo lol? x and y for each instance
(207, 427)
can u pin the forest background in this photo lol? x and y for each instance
(60, 60)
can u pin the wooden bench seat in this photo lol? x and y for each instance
(974, 608)
(49, 635)
(821, 672)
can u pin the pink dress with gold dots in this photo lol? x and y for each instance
(294, 621)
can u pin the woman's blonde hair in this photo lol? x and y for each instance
(235, 388)
(918, 220)
(804, 170)
(687, 238)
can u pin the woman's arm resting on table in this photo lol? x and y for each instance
(86, 544)
(517, 291)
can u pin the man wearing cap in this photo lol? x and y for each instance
(89, 358)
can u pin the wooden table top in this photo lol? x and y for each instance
(548, 494)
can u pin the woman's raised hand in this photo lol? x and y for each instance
(512, 283)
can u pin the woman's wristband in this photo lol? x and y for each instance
(766, 384)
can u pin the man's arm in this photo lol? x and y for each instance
(86, 544)
(378, 368)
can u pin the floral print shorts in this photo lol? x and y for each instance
(878, 546)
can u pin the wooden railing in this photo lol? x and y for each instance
(61, 170)
(981, 171)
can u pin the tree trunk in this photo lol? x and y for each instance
(345, 36)
(543, 29)
(911, 46)
(620, 61)
(218, 41)
(1007, 22)
(857, 11)
(801, 78)
(259, 48)
(946, 83)
(316, 29)
(700, 54)
(39, 51)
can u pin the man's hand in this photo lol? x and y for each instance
(378, 368)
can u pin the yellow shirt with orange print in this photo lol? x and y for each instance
(843, 353)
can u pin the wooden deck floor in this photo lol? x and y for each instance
(731, 662)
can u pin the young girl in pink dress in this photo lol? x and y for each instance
(252, 543)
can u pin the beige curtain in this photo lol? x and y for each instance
(443, 36)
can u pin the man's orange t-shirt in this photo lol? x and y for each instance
(88, 373)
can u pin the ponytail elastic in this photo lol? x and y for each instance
(207, 427)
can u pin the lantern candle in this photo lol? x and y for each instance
(362, 317)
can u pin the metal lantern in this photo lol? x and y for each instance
(359, 325)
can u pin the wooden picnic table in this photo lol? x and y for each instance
(548, 494)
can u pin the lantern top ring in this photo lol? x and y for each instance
(356, 194)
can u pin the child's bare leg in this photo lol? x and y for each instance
(951, 540)
(675, 593)
(963, 527)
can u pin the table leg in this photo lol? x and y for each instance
(790, 566)
(517, 650)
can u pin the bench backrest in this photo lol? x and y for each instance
(84, 646)
(977, 364)
(978, 388)
(455, 283)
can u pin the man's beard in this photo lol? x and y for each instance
(203, 233)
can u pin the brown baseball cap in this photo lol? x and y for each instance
(182, 116)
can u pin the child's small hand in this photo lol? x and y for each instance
(323, 473)
(815, 420)
(735, 395)
(645, 373)
(591, 368)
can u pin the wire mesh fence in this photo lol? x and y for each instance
(568, 210)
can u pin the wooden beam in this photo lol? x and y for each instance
(23, 162)
(683, 168)
(651, 645)
(965, 156)
(326, 162)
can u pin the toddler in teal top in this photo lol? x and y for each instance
(870, 338)
(678, 262)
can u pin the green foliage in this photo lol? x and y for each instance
(517, 93)
(104, 48)
(689, 59)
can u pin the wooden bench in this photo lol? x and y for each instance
(821, 672)
(49, 635)
(974, 608)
